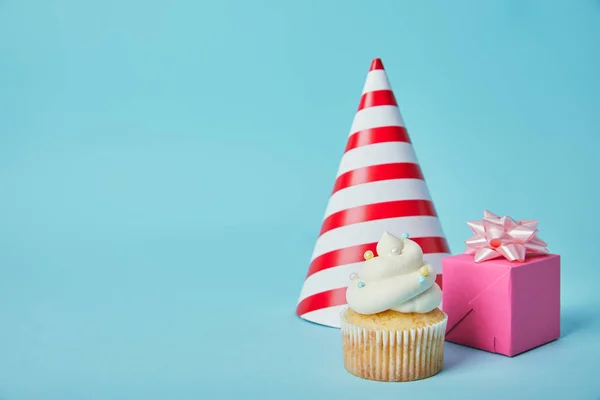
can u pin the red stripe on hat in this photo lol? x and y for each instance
(377, 98)
(377, 135)
(372, 212)
(330, 298)
(376, 173)
(354, 254)
(335, 258)
(438, 280)
(376, 64)
(432, 245)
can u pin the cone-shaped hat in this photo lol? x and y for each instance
(379, 187)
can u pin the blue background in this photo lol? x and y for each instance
(164, 168)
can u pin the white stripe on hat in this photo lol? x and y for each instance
(371, 231)
(328, 279)
(374, 117)
(376, 80)
(377, 154)
(377, 192)
(326, 316)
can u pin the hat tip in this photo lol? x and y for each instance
(376, 64)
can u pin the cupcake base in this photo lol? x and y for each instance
(393, 355)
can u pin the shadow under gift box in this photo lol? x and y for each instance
(502, 306)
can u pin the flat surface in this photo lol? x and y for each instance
(164, 168)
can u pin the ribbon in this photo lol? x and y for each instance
(503, 237)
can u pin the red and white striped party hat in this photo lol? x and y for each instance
(379, 187)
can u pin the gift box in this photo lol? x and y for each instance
(503, 294)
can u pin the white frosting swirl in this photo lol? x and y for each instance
(394, 280)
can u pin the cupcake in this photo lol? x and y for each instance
(393, 329)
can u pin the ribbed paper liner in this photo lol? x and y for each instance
(393, 356)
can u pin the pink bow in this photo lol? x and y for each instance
(496, 237)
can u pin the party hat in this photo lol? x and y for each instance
(379, 187)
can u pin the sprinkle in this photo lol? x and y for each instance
(405, 235)
(368, 255)
(421, 279)
(424, 270)
(353, 276)
(361, 285)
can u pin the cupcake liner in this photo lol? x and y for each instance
(393, 356)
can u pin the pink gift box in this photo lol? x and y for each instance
(501, 306)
